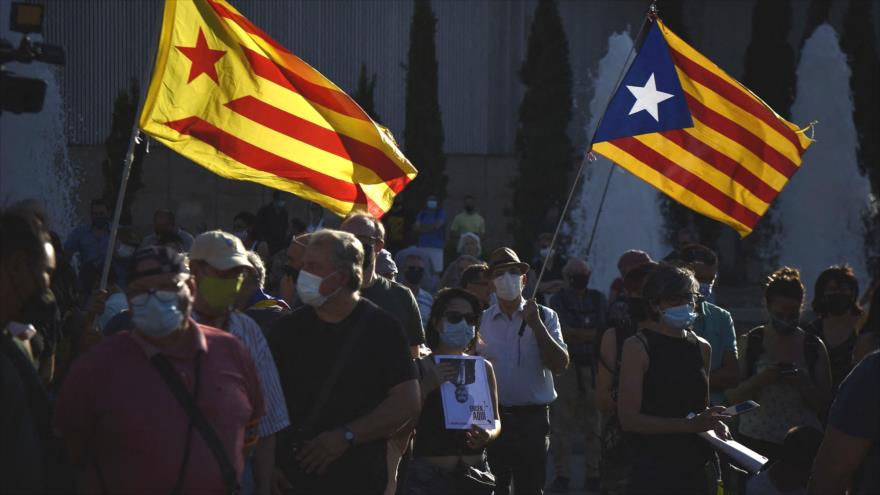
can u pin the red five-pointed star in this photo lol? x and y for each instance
(203, 58)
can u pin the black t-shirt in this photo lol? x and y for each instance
(856, 412)
(305, 350)
(400, 302)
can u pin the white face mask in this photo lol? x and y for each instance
(125, 251)
(508, 286)
(308, 288)
(432, 205)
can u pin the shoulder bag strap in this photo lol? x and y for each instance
(333, 376)
(172, 379)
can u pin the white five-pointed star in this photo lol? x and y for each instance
(648, 98)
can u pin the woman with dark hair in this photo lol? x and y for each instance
(439, 454)
(664, 391)
(616, 458)
(782, 368)
(869, 333)
(836, 304)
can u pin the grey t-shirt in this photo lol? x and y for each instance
(856, 412)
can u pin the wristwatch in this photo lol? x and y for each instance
(348, 435)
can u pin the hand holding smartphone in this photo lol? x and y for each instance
(742, 407)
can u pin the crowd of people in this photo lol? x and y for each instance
(288, 357)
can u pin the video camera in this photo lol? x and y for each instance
(25, 94)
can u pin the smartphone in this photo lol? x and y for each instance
(742, 407)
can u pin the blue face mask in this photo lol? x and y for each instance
(457, 334)
(679, 317)
(156, 317)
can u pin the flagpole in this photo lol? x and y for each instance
(126, 169)
(589, 157)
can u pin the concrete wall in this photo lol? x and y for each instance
(203, 201)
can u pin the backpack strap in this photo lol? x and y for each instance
(754, 349)
(811, 352)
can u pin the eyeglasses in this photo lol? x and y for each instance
(165, 295)
(368, 240)
(290, 271)
(455, 317)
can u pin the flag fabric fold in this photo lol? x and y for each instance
(227, 96)
(680, 123)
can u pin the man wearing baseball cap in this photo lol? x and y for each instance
(218, 260)
(523, 340)
(122, 408)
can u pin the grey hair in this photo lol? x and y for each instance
(472, 236)
(569, 266)
(259, 267)
(347, 253)
(370, 219)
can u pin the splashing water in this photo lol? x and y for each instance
(34, 163)
(821, 208)
(630, 218)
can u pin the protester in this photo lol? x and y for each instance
(453, 329)
(616, 456)
(385, 265)
(553, 280)
(630, 259)
(164, 226)
(429, 280)
(218, 262)
(790, 474)
(413, 272)
(316, 218)
(244, 227)
(664, 379)
(524, 343)
(387, 294)
(252, 299)
(430, 224)
(475, 279)
(849, 457)
(836, 305)
(89, 242)
(713, 323)
(129, 410)
(347, 375)
(287, 286)
(783, 369)
(869, 333)
(29, 461)
(468, 221)
(469, 250)
(582, 314)
(271, 223)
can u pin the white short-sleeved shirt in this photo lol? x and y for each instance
(250, 334)
(522, 378)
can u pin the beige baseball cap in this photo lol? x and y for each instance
(219, 249)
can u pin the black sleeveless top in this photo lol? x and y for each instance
(840, 357)
(432, 437)
(675, 385)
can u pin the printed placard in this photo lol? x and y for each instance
(467, 399)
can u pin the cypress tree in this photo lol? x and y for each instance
(860, 45)
(365, 93)
(423, 130)
(125, 108)
(543, 146)
(769, 71)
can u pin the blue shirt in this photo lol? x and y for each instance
(91, 248)
(716, 326)
(435, 238)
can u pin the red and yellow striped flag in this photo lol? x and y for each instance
(227, 96)
(683, 125)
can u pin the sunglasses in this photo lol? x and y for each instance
(455, 317)
(290, 271)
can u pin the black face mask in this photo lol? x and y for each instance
(414, 275)
(469, 208)
(579, 281)
(838, 304)
(638, 309)
(783, 327)
(100, 221)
